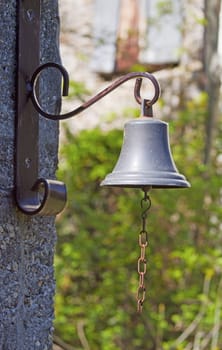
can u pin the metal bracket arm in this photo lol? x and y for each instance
(134, 75)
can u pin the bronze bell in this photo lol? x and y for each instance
(145, 160)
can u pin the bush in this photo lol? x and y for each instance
(97, 250)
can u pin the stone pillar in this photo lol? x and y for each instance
(26, 243)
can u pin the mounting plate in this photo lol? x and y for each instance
(34, 196)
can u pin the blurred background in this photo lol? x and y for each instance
(97, 248)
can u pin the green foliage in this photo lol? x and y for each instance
(97, 250)
(77, 89)
(164, 7)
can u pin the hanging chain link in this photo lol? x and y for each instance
(143, 242)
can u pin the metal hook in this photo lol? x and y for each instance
(137, 89)
(94, 99)
(145, 200)
(146, 105)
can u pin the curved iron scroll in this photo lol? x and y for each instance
(134, 75)
(48, 197)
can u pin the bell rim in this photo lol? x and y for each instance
(143, 179)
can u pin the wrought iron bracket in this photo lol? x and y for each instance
(146, 104)
(34, 196)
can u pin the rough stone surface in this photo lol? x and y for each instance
(26, 243)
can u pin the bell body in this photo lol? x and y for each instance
(145, 159)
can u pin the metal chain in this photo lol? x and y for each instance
(143, 242)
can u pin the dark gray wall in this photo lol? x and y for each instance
(26, 243)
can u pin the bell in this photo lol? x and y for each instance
(145, 160)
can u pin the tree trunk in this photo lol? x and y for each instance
(26, 243)
(212, 71)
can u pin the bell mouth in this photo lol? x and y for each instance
(145, 180)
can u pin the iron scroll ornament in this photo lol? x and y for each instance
(134, 75)
(45, 197)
